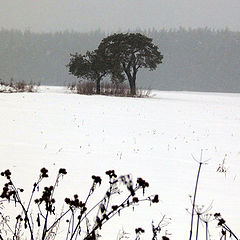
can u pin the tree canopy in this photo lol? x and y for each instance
(128, 53)
(91, 66)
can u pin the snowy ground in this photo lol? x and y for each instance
(152, 138)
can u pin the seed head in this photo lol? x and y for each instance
(62, 171)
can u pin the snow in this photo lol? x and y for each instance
(155, 138)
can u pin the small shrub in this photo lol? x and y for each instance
(86, 88)
(83, 87)
(6, 86)
(32, 87)
(107, 88)
(18, 86)
(72, 86)
(120, 89)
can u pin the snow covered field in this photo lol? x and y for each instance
(152, 138)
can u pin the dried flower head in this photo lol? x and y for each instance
(75, 203)
(114, 207)
(142, 183)
(155, 199)
(135, 200)
(19, 218)
(8, 191)
(221, 221)
(139, 230)
(111, 173)
(6, 173)
(67, 200)
(165, 238)
(44, 172)
(62, 171)
(97, 179)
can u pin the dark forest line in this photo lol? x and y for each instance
(194, 59)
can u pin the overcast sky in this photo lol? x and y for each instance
(113, 15)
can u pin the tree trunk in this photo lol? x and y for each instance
(98, 86)
(132, 83)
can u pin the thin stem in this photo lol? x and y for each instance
(40, 211)
(69, 225)
(230, 231)
(15, 230)
(194, 199)
(45, 229)
(45, 226)
(34, 189)
(198, 217)
(26, 219)
(5, 222)
(72, 221)
(110, 191)
(79, 221)
(58, 220)
(206, 230)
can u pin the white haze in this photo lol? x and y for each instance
(109, 15)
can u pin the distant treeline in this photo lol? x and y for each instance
(194, 60)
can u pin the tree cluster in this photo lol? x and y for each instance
(120, 56)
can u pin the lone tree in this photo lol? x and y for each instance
(91, 66)
(128, 53)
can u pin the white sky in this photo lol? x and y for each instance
(113, 15)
